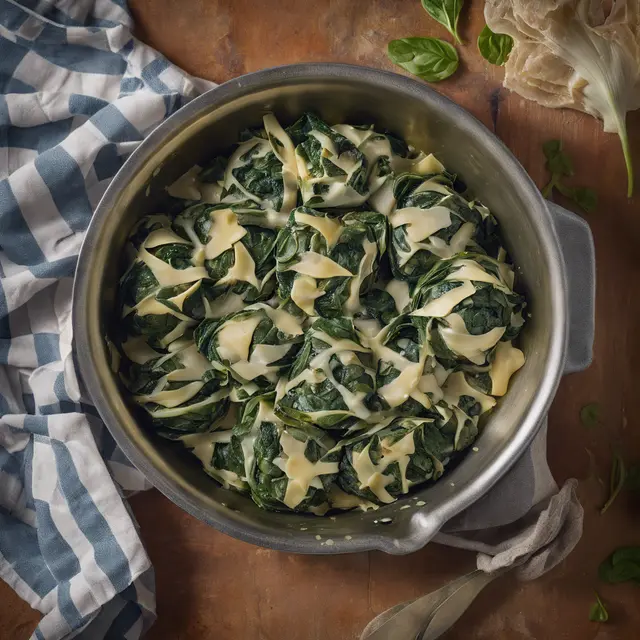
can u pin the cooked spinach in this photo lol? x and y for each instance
(180, 391)
(330, 384)
(278, 453)
(254, 345)
(469, 295)
(433, 222)
(325, 262)
(265, 319)
(407, 452)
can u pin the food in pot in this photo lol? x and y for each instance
(324, 319)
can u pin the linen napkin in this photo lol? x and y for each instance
(77, 94)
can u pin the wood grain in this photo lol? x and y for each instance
(210, 585)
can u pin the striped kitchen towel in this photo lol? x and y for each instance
(77, 94)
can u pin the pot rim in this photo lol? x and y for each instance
(426, 524)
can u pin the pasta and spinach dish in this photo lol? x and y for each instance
(321, 315)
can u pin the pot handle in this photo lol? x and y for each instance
(578, 252)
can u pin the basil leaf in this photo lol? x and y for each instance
(428, 58)
(590, 415)
(617, 479)
(558, 162)
(446, 12)
(494, 47)
(623, 565)
(598, 612)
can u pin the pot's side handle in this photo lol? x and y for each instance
(578, 252)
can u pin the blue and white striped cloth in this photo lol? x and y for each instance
(77, 94)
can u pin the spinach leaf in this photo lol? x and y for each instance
(623, 565)
(494, 47)
(590, 415)
(275, 485)
(447, 13)
(428, 450)
(345, 247)
(470, 225)
(558, 162)
(617, 478)
(598, 612)
(180, 391)
(584, 197)
(490, 305)
(428, 58)
(266, 353)
(330, 384)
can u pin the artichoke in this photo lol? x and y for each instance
(180, 390)
(256, 346)
(285, 466)
(326, 262)
(384, 462)
(470, 306)
(433, 222)
(330, 384)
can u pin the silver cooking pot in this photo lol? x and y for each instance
(557, 337)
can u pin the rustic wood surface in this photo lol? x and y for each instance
(211, 586)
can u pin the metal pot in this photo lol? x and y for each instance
(342, 93)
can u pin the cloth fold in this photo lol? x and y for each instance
(77, 94)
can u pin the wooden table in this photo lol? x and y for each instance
(211, 586)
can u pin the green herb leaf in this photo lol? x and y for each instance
(598, 612)
(558, 162)
(590, 415)
(586, 199)
(623, 565)
(446, 12)
(559, 165)
(494, 47)
(616, 481)
(428, 58)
